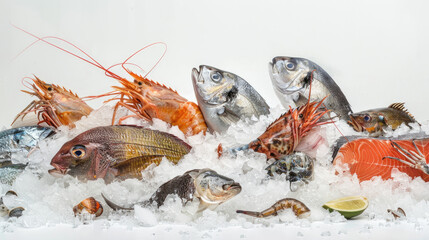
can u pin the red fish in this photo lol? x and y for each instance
(368, 158)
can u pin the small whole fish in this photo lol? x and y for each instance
(298, 207)
(21, 140)
(225, 98)
(116, 152)
(211, 188)
(291, 80)
(375, 120)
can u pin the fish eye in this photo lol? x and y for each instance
(290, 66)
(78, 151)
(49, 88)
(216, 77)
(366, 118)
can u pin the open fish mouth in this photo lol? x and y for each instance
(232, 187)
(356, 126)
(58, 171)
(196, 77)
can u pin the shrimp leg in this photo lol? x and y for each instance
(414, 159)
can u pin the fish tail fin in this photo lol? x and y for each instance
(114, 206)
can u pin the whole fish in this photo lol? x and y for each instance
(116, 152)
(377, 157)
(291, 80)
(225, 98)
(211, 188)
(9, 172)
(18, 142)
(375, 120)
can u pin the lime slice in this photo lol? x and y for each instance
(349, 206)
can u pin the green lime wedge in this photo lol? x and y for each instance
(349, 206)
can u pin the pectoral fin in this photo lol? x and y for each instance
(228, 116)
(133, 166)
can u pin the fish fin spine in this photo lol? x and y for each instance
(401, 107)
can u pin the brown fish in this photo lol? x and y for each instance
(375, 120)
(208, 186)
(116, 152)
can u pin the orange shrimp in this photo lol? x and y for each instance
(56, 106)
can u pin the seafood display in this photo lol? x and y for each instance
(291, 78)
(56, 106)
(5, 211)
(116, 152)
(211, 188)
(370, 157)
(148, 99)
(297, 207)
(89, 205)
(19, 142)
(375, 120)
(225, 98)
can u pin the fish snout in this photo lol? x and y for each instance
(280, 59)
(196, 76)
(233, 186)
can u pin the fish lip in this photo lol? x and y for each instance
(57, 172)
(355, 125)
(234, 186)
(196, 75)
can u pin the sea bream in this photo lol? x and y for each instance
(211, 188)
(224, 98)
(121, 152)
(376, 120)
(291, 81)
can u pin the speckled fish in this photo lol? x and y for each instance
(9, 172)
(375, 120)
(224, 98)
(211, 188)
(291, 80)
(18, 142)
(116, 152)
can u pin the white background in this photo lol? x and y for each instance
(376, 51)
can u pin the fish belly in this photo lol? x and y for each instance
(365, 158)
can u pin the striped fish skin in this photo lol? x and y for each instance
(21, 140)
(111, 152)
(364, 157)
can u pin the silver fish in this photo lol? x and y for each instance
(224, 98)
(9, 172)
(211, 188)
(21, 140)
(291, 81)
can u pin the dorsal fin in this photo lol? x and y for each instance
(401, 107)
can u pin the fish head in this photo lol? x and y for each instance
(289, 74)
(213, 188)
(369, 121)
(213, 86)
(78, 158)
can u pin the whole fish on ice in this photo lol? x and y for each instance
(291, 80)
(224, 98)
(116, 152)
(375, 121)
(211, 188)
(18, 142)
(372, 157)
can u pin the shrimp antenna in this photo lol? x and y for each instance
(159, 60)
(26, 84)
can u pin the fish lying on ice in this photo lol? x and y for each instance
(291, 80)
(375, 120)
(225, 98)
(18, 142)
(372, 157)
(116, 152)
(211, 188)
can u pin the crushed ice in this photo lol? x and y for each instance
(49, 200)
